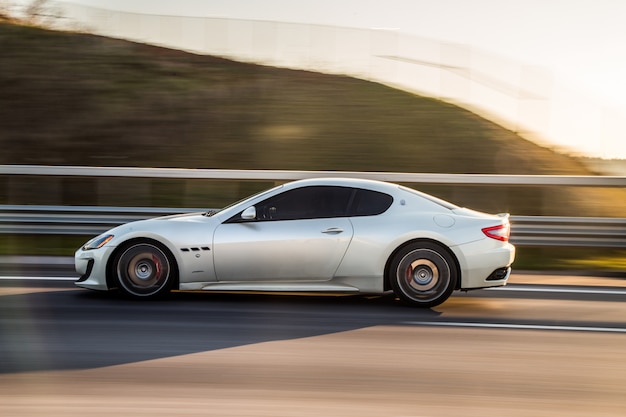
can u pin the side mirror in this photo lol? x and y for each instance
(249, 213)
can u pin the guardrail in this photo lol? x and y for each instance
(91, 221)
(74, 220)
(284, 175)
(568, 231)
(88, 220)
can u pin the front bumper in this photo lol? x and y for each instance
(91, 266)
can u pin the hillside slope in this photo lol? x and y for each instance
(77, 99)
(80, 99)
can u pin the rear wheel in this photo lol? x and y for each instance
(144, 269)
(423, 274)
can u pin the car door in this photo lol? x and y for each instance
(300, 234)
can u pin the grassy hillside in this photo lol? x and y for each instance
(76, 99)
(80, 99)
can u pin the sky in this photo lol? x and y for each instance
(580, 42)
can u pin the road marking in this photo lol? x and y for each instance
(22, 278)
(558, 290)
(518, 326)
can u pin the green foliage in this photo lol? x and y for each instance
(581, 259)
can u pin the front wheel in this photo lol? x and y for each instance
(144, 270)
(423, 274)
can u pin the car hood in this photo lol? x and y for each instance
(187, 222)
(186, 217)
(193, 227)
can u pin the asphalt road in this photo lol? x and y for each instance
(542, 346)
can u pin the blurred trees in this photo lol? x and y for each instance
(35, 13)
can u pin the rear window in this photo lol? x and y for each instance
(370, 203)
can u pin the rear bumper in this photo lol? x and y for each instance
(483, 267)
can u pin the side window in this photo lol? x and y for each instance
(370, 203)
(306, 203)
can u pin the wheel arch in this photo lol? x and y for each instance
(387, 276)
(110, 267)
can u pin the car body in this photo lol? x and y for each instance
(339, 235)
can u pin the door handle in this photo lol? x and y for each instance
(333, 230)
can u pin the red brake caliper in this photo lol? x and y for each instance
(157, 264)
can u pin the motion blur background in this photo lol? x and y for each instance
(550, 70)
(530, 87)
(404, 86)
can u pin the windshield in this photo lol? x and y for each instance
(260, 193)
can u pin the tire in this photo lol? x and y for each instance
(423, 274)
(144, 269)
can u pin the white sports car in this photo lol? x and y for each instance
(316, 235)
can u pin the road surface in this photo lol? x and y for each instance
(542, 346)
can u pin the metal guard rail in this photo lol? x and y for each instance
(282, 175)
(91, 221)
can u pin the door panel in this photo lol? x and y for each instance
(310, 249)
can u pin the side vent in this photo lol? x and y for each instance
(195, 249)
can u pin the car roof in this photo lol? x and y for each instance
(381, 186)
(344, 182)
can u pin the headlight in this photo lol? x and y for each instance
(97, 242)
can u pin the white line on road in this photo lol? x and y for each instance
(518, 326)
(22, 278)
(540, 288)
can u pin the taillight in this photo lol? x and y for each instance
(500, 232)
